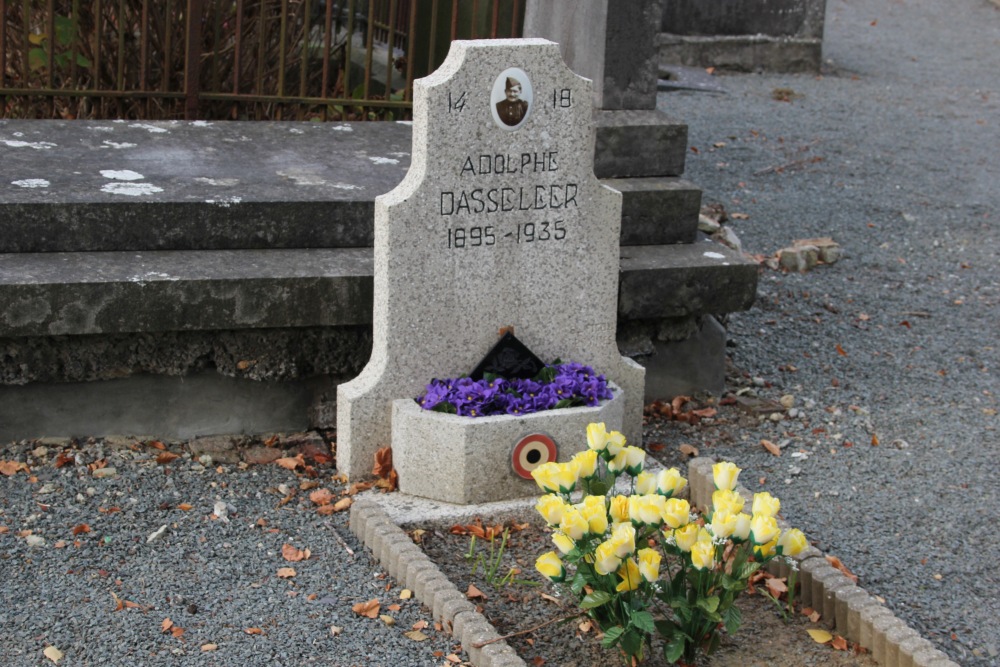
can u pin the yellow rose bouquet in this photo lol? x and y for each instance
(643, 563)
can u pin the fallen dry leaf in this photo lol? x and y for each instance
(538, 661)
(840, 350)
(176, 632)
(291, 462)
(416, 635)
(451, 657)
(321, 497)
(819, 636)
(165, 625)
(156, 444)
(368, 609)
(405, 594)
(286, 572)
(394, 607)
(253, 631)
(383, 462)
(420, 625)
(64, 459)
(52, 653)
(293, 554)
(9, 468)
(336, 630)
(82, 528)
(776, 586)
(474, 593)
(771, 447)
(166, 457)
(387, 619)
(839, 643)
(836, 563)
(550, 598)
(688, 450)
(358, 487)
(209, 647)
(185, 506)
(338, 506)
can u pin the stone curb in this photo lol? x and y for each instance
(407, 563)
(844, 606)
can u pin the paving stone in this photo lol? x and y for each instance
(500, 654)
(832, 593)
(894, 638)
(259, 454)
(869, 615)
(909, 647)
(880, 629)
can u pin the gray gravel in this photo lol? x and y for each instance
(893, 152)
(215, 578)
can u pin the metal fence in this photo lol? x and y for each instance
(231, 59)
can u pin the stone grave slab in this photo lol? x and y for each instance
(499, 225)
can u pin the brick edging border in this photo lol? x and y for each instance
(409, 565)
(843, 605)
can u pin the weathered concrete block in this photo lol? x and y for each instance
(657, 210)
(442, 456)
(623, 136)
(894, 639)
(695, 364)
(869, 615)
(222, 449)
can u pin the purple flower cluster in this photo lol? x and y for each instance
(556, 386)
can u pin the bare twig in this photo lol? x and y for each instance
(339, 539)
(529, 630)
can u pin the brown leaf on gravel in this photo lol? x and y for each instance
(688, 450)
(291, 462)
(167, 457)
(474, 593)
(165, 625)
(836, 563)
(82, 528)
(368, 609)
(771, 447)
(420, 625)
(338, 506)
(321, 497)
(293, 554)
(4, 529)
(253, 631)
(415, 635)
(9, 468)
(156, 444)
(286, 572)
(839, 643)
(185, 507)
(64, 459)
(358, 487)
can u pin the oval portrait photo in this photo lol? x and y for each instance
(511, 98)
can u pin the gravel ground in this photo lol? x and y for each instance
(893, 153)
(210, 589)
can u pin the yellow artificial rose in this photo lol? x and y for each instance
(723, 523)
(563, 542)
(726, 499)
(573, 523)
(595, 511)
(630, 576)
(616, 441)
(724, 474)
(741, 532)
(551, 507)
(619, 509)
(550, 565)
(703, 555)
(762, 551)
(647, 509)
(676, 512)
(763, 529)
(645, 483)
(586, 463)
(606, 560)
(792, 542)
(649, 564)
(623, 539)
(765, 504)
(669, 482)
(597, 437)
(556, 477)
(628, 459)
(686, 536)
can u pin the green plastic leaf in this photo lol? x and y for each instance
(709, 604)
(632, 642)
(747, 570)
(612, 636)
(643, 620)
(732, 618)
(674, 649)
(579, 581)
(595, 599)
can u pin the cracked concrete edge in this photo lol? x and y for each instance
(393, 549)
(844, 606)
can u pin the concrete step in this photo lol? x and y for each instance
(47, 294)
(229, 186)
(635, 144)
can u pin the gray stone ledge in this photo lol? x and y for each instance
(635, 144)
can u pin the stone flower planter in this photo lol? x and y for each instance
(465, 460)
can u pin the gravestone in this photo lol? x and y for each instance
(500, 224)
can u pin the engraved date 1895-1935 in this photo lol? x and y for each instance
(525, 232)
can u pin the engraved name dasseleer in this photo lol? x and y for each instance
(509, 199)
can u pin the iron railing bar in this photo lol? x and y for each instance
(25, 40)
(120, 74)
(351, 7)
(50, 28)
(144, 53)
(192, 59)
(3, 45)
(513, 20)
(410, 39)
(390, 43)
(368, 50)
(216, 74)
(237, 46)
(167, 45)
(494, 23)
(454, 19)
(474, 18)
(281, 47)
(324, 85)
(98, 18)
(304, 52)
(433, 36)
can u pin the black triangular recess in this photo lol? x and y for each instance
(509, 358)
